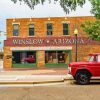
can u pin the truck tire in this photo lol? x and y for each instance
(82, 77)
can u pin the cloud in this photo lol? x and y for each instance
(9, 9)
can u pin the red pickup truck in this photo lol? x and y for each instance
(83, 71)
(30, 59)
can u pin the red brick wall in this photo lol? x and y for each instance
(40, 25)
(40, 31)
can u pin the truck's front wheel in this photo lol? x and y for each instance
(82, 77)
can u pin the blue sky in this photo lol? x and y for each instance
(10, 10)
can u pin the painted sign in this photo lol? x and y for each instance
(48, 41)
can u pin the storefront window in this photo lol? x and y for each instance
(61, 57)
(50, 57)
(56, 57)
(24, 57)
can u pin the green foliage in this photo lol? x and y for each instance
(95, 8)
(92, 29)
(67, 5)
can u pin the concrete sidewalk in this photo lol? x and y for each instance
(34, 76)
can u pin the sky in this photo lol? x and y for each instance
(10, 10)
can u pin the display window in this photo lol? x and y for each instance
(56, 57)
(24, 57)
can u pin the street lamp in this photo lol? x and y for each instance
(76, 33)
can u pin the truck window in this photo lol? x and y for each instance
(98, 58)
(91, 58)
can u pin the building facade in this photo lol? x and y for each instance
(46, 42)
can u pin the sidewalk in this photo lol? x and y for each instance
(34, 76)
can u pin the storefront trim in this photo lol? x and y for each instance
(42, 48)
(56, 65)
(32, 65)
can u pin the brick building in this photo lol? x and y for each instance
(43, 42)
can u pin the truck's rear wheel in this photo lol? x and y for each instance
(82, 77)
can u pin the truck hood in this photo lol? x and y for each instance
(78, 63)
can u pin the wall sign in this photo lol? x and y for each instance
(49, 41)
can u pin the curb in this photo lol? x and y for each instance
(44, 82)
(19, 79)
(31, 82)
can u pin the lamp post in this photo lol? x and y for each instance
(76, 33)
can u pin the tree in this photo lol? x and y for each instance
(95, 8)
(67, 5)
(93, 28)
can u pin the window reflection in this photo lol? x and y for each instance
(24, 57)
(56, 57)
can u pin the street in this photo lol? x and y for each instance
(55, 91)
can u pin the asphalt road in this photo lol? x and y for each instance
(57, 91)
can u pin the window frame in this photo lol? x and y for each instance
(16, 29)
(67, 29)
(32, 28)
(51, 30)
